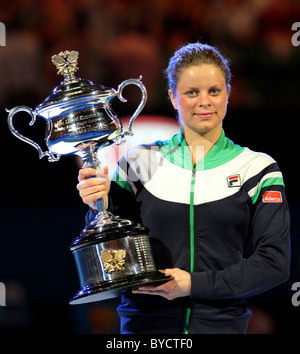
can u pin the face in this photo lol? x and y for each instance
(201, 98)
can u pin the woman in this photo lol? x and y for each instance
(204, 200)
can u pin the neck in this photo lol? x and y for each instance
(200, 143)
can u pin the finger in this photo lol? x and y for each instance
(169, 271)
(147, 291)
(91, 189)
(91, 199)
(90, 195)
(87, 183)
(166, 287)
(104, 171)
(85, 173)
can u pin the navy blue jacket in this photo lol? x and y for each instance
(226, 221)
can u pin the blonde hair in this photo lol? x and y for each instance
(195, 54)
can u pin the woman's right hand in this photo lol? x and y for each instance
(91, 189)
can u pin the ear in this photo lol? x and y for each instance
(172, 98)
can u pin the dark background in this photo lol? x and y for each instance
(41, 211)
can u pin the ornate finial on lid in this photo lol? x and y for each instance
(66, 63)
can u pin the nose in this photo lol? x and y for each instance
(203, 100)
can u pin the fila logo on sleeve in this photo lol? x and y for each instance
(272, 197)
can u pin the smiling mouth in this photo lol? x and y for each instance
(206, 115)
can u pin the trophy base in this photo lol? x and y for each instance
(110, 289)
(113, 255)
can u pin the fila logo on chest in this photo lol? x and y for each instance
(234, 181)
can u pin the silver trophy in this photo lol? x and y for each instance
(111, 254)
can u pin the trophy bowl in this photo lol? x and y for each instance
(111, 254)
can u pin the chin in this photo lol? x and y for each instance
(203, 127)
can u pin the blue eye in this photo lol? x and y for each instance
(191, 93)
(214, 91)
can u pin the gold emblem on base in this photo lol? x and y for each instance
(113, 260)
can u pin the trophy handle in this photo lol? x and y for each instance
(138, 83)
(51, 156)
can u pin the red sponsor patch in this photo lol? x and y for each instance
(272, 197)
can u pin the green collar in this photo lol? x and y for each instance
(177, 151)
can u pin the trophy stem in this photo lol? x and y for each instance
(88, 154)
(103, 220)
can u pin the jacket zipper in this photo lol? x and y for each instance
(192, 241)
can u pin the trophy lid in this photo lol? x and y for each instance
(72, 88)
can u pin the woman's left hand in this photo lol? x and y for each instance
(178, 287)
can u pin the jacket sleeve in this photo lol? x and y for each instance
(269, 263)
